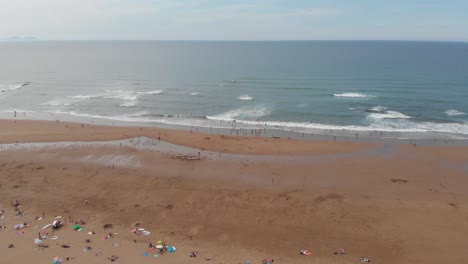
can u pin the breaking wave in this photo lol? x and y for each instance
(243, 113)
(151, 92)
(453, 112)
(84, 96)
(378, 108)
(245, 97)
(60, 102)
(125, 118)
(240, 118)
(388, 114)
(353, 95)
(130, 103)
(14, 87)
(130, 98)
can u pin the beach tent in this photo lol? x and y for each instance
(57, 260)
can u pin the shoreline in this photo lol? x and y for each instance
(49, 131)
(239, 133)
(233, 128)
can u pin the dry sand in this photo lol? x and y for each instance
(393, 204)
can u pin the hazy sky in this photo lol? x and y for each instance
(235, 20)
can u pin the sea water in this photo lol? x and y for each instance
(391, 88)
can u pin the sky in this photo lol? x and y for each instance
(441, 20)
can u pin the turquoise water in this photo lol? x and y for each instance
(417, 88)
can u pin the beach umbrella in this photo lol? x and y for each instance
(57, 260)
(76, 227)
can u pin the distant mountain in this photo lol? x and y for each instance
(22, 38)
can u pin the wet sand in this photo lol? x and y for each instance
(248, 198)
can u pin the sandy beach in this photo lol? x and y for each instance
(244, 199)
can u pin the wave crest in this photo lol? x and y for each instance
(453, 112)
(84, 96)
(378, 108)
(58, 102)
(151, 92)
(242, 113)
(14, 87)
(385, 125)
(130, 98)
(388, 114)
(353, 95)
(245, 97)
(130, 103)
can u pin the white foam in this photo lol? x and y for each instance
(130, 103)
(13, 87)
(243, 112)
(388, 114)
(378, 108)
(130, 97)
(59, 102)
(406, 125)
(385, 125)
(152, 92)
(453, 112)
(125, 118)
(121, 95)
(84, 96)
(194, 93)
(353, 95)
(245, 97)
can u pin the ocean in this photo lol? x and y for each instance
(375, 88)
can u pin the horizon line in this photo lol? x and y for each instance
(232, 40)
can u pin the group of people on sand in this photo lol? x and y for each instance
(41, 236)
(340, 251)
(17, 206)
(160, 248)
